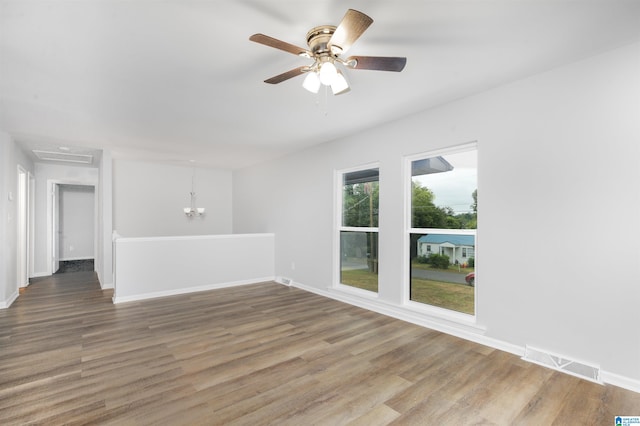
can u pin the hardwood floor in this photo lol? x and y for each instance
(263, 354)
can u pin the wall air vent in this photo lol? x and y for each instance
(285, 281)
(64, 157)
(564, 364)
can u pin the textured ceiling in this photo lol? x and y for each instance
(177, 80)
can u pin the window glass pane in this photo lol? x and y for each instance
(444, 196)
(359, 259)
(444, 191)
(360, 192)
(443, 271)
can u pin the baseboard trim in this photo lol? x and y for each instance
(473, 334)
(620, 381)
(9, 301)
(175, 292)
(40, 274)
(77, 258)
(104, 286)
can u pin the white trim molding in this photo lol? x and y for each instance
(40, 274)
(620, 381)
(7, 303)
(195, 289)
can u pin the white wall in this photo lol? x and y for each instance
(148, 200)
(559, 166)
(77, 222)
(46, 173)
(104, 245)
(10, 157)
(164, 266)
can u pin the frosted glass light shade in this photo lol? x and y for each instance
(328, 73)
(340, 84)
(311, 82)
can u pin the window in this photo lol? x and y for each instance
(442, 235)
(358, 230)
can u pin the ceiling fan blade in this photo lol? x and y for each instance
(287, 75)
(279, 44)
(378, 63)
(350, 29)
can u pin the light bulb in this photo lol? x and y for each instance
(311, 82)
(340, 84)
(328, 73)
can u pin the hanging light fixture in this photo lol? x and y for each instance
(326, 73)
(192, 210)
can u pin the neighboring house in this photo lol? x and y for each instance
(459, 248)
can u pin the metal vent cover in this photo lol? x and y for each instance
(285, 281)
(64, 157)
(562, 363)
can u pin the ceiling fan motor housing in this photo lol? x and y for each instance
(318, 39)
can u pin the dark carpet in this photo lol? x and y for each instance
(75, 266)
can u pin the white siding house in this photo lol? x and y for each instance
(459, 248)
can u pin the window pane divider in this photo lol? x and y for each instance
(358, 229)
(442, 231)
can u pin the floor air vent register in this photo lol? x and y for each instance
(561, 363)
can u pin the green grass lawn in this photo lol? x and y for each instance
(457, 297)
(360, 278)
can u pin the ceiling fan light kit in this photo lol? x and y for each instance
(327, 73)
(339, 84)
(312, 82)
(326, 44)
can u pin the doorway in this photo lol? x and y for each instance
(73, 227)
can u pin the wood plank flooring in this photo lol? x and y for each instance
(259, 355)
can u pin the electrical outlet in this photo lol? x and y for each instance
(293, 266)
(71, 248)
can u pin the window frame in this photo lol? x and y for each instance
(431, 310)
(339, 228)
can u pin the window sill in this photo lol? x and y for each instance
(453, 323)
(439, 314)
(356, 291)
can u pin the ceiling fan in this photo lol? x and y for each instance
(326, 44)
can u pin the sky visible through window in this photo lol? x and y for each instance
(454, 188)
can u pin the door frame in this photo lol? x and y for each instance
(23, 225)
(52, 194)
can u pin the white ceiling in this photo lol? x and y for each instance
(177, 80)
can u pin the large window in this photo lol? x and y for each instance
(442, 237)
(358, 229)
